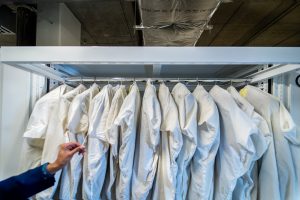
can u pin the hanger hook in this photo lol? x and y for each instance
(95, 79)
(81, 81)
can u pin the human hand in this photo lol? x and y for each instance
(66, 152)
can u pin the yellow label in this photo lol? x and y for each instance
(244, 92)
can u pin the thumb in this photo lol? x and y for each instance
(77, 149)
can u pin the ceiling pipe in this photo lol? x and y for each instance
(175, 22)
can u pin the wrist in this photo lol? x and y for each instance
(52, 168)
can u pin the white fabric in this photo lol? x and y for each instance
(286, 141)
(35, 133)
(77, 127)
(170, 146)
(95, 162)
(247, 185)
(147, 143)
(208, 140)
(127, 122)
(239, 142)
(55, 136)
(112, 135)
(187, 110)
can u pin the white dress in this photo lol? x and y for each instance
(55, 136)
(170, 146)
(202, 166)
(286, 141)
(249, 184)
(187, 110)
(239, 142)
(147, 143)
(113, 135)
(35, 133)
(77, 127)
(126, 121)
(95, 162)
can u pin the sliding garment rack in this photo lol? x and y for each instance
(71, 64)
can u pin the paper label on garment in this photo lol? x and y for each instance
(244, 92)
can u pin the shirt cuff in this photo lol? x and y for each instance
(46, 172)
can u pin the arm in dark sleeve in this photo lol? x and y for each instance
(27, 184)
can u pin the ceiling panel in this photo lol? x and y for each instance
(240, 23)
(105, 22)
(235, 23)
(286, 29)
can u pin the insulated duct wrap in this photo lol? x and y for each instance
(175, 22)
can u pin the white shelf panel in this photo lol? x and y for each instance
(152, 55)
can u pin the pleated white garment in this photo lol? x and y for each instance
(35, 133)
(113, 135)
(170, 145)
(147, 143)
(247, 185)
(127, 122)
(95, 162)
(239, 142)
(77, 127)
(208, 140)
(187, 110)
(55, 135)
(286, 142)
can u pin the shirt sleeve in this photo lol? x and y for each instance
(26, 184)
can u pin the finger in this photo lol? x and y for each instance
(82, 151)
(71, 145)
(77, 149)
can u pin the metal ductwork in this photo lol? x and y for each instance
(175, 22)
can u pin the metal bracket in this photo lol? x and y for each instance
(298, 80)
(43, 70)
(156, 70)
(272, 72)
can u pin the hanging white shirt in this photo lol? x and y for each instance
(286, 140)
(147, 143)
(112, 135)
(95, 162)
(127, 122)
(77, 127)
(55, 136)
(247, 185)
(35, 133)
(170, 146)
(238, 144)
(202, 166)
(187, 110)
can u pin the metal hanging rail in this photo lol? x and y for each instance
(125, 79)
